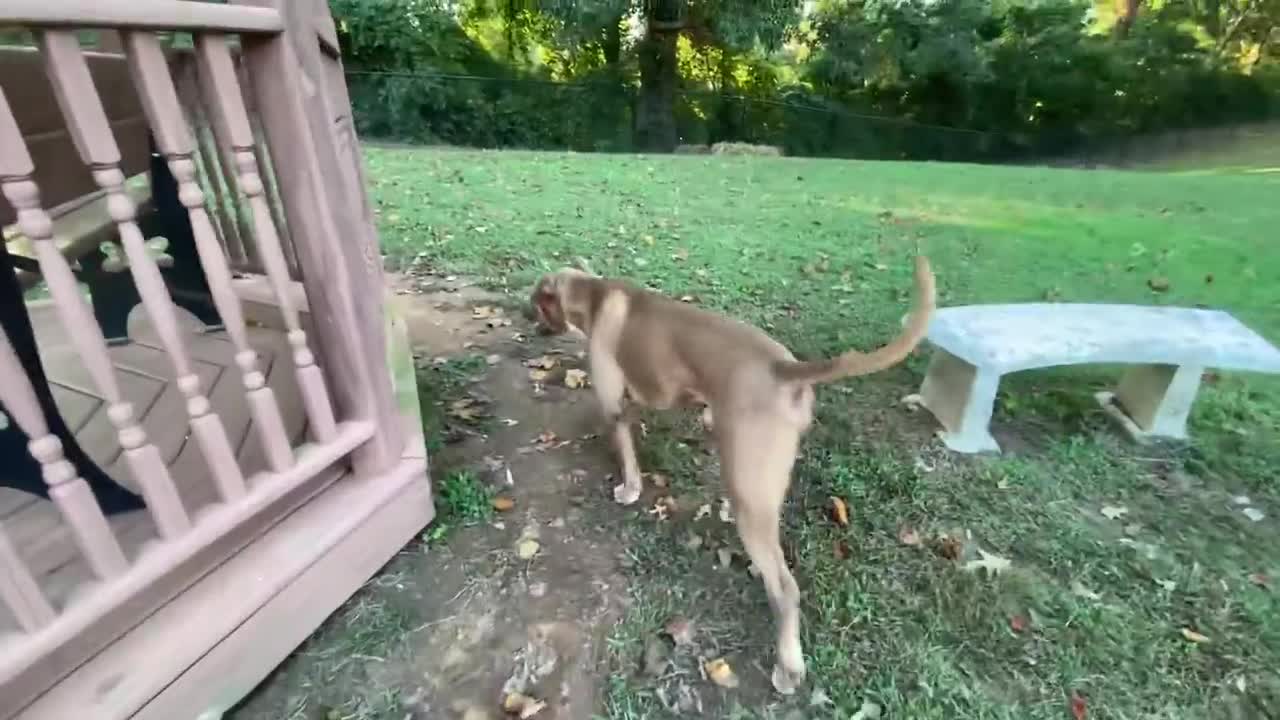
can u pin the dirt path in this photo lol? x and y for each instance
(449, 628)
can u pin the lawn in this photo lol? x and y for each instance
(1165, 605)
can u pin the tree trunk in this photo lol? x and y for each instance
(1126, 14)
(612, 44)
(655, 120)
(728, 111)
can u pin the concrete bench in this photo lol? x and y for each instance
(1169, 347)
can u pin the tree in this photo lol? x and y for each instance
(731, 25)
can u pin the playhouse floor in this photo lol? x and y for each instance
(146, 379)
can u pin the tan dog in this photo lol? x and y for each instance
(660, 353)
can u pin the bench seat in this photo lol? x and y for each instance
(1169, 347)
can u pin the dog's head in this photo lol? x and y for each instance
(558, 303)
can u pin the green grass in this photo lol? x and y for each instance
(818, 253)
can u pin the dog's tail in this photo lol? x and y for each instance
(859, 363)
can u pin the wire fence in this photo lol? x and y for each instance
(600, 116)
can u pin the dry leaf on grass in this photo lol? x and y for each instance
(467, 409)
(502, 503)
(482, 312)
(681, 630)
(1018, 623)
(1260, 580)
(721, 673)
(1254, 514)
(1193, 636)
(1159, 283)
(868, 711)
(908, 536)
(658, 480)
(539, 376)
(725, 556)
(522, 706)
(990, 562)
(949, 547)
(575, 378)
(703, 511)
(1079, 710)
(527, 548)
(543, 362)
(1114, 512)
(839, 511)
(839, 549)
(663, 507)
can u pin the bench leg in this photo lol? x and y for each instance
(1154, 400)
(961, 397)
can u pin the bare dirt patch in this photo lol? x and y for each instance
(451, 628)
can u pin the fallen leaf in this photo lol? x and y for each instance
(839, 549)
(949, 547)
(868, 711)
(725, 556)
(539, 375)
(1260, 580)
(659, 480)
(908, 536)
(1078, 588)
(502, 503)
(493, 359)
(527, 548)
(681, 254)
(1254, 514)
(721, 674)
(575, 378)
(703, 511)
(726, 511)
(655, 657)
(467, 409)
(544, 362)
(912, 402)
(1078, 708)
(819, 698)
(1158, 283)
(839, 511)
(681, 630)
(1114, 512)
(522, 706)
(1018, 623)
(990, 562)
(481, 312)
(1193, 636)
(663, 507)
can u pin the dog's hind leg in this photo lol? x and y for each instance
(757, 454)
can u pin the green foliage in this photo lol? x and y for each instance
(893, 79)
(461, 499)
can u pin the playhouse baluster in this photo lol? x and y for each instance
(173, 136)
(144, 460)
(68, 491)
(233, 124)
(87, 121)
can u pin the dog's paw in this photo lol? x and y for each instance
(787, 681)
(625, 494)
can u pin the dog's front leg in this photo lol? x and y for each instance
(610, 386)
